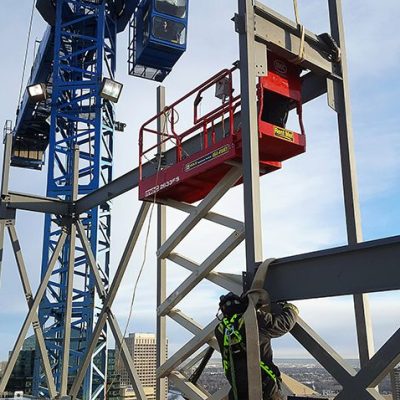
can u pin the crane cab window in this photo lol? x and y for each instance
(175, 8)
(168, 30)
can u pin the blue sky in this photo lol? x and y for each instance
(302, 205)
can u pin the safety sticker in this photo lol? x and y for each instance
(283, 134)
(206, 158)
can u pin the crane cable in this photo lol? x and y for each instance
(302, 30)
(26, 53)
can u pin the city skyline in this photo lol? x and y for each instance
(142, 347)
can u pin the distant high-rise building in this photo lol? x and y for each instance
(21, 376)
(396, 383)
(143, 348)
(113, 378)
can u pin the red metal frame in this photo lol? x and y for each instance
(276, 142)
(192, 177)
(200, 123)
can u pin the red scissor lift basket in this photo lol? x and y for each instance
(198, 158)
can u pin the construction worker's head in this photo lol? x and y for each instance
(232, 304)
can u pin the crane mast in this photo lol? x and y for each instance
(85, 36)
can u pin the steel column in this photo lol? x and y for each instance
(162, 346)
(5, 177)
(245, 25)
(349, 175)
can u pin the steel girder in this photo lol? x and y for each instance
(84, 51)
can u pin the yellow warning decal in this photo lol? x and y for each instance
(283, 134)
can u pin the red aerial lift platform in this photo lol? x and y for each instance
(204, 153)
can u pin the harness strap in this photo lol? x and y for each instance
(229, 332)
(268, 370)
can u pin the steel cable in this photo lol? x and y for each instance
(26, 53)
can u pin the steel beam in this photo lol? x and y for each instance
(210, 216)
(380, 365)
(232, 283)
(362, 268)
(313, 86)
(283, 38)
(162, 346)
(221, 394)
(200, 211)
(341, 96)
(188, 349)
(102, 318)
(2, 228)
(5, 177)
(191, 325)
(245, 27)
(66, 344)
(29, 299)
(204, 269)
(29, 202)
(188, 389)
(338, 367)
(194, 378)
(123, 348)
(30, 319)
(193, 361)
(323, 353)
(126, 357)
(91, 260)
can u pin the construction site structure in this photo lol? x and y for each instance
(282, 65)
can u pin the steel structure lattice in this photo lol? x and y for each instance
(71, 325)
(84, 51)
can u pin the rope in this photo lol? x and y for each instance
(168, 118)
(302, 30)
(26, 54)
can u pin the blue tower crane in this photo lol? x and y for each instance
(75, 60)
(83, 40)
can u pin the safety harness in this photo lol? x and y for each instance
(234, 343)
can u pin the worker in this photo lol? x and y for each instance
(167, 30)
(273, 322)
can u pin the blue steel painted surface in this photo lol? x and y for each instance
(150, 56)
(121, 9)
(84, 52)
